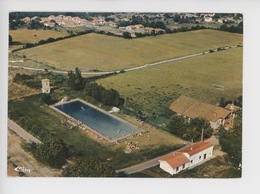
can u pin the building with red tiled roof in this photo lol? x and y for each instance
(186, 157)
(192, 108)
(131, 27)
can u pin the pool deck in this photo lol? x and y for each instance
(83, 126)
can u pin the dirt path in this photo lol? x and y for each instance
(18, 157)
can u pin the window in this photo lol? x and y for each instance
(183, 166)
(191, 161)
(177, 169)
(200, 157)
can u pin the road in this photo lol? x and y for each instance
(21, 132)
(125, 70)
(145, 165)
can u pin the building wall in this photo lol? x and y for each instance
(193, 160)
(199, 157)
(166, 167)
(215, 125)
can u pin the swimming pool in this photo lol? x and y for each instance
(104, 124)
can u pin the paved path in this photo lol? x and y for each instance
(145, 165)
(21, 132)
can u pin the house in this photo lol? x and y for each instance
(148, 30)
(191, 108)
(208, 19)
(159, 31)
(49, 24)
(52, 17)
(112, 24)
(186, 157)
(131, 27)
(232, 107)
(76, 20)
(26, 20)
(221, 20)
(139, 26)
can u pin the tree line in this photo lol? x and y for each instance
(50, 40)
(108, 97)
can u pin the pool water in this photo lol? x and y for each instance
(103, 123)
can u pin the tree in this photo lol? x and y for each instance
(231, 140)
(46, 98)
(89, 168)
(52, 152)
(15, 23)
(127, 35)
(75, 80)
(36, 24)
(177, 125)
(199, 124)
(160, 24)
(110, 97)
(176, 18)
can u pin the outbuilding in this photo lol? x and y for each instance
(192, 108)
(186, 157)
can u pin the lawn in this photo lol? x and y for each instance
(33, 36)
(106, 53)
(152, 89)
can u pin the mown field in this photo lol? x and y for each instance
(106, 53)
(33, 36)
(152, 89)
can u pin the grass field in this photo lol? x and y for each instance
(33, 36)
(95, 51)
(152, 89)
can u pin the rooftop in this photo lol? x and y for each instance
(176, 159)
(194, 108)
(196, 148)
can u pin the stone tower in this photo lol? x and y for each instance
(46, 88)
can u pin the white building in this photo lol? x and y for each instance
(208, 19)
(46, 88)
(186, 157)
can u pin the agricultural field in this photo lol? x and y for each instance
(152, 89)
(108, 53)
(32, 36)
